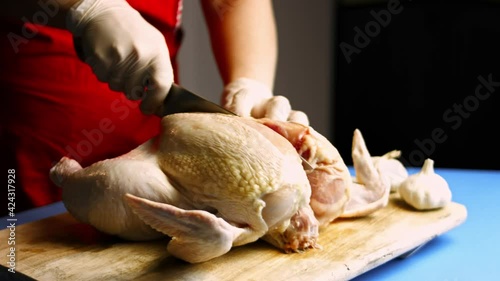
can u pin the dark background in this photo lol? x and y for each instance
(409, 79)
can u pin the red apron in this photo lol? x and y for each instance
(54, 106)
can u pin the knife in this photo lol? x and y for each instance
(180, 100)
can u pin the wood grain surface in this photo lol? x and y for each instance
(60, 248)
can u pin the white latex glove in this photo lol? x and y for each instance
(123, 50)
(248, 97)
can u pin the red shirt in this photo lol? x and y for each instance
(54, 106)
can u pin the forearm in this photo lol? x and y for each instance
(54, 11)
(243, 37)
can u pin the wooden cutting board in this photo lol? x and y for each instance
(60, 248)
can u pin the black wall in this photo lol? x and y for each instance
(418, 83)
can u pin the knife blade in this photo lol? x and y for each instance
(181, 100)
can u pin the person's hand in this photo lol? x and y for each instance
(123, 49)
(248, 97)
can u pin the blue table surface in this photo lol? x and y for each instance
(468, 252)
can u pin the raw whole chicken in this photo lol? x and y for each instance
(213, 181)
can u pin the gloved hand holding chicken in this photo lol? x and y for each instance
(248, 97)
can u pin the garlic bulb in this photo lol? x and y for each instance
(391, 168)
(425, 190)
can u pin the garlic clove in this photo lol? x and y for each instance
(391, 168)
(425, 190)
